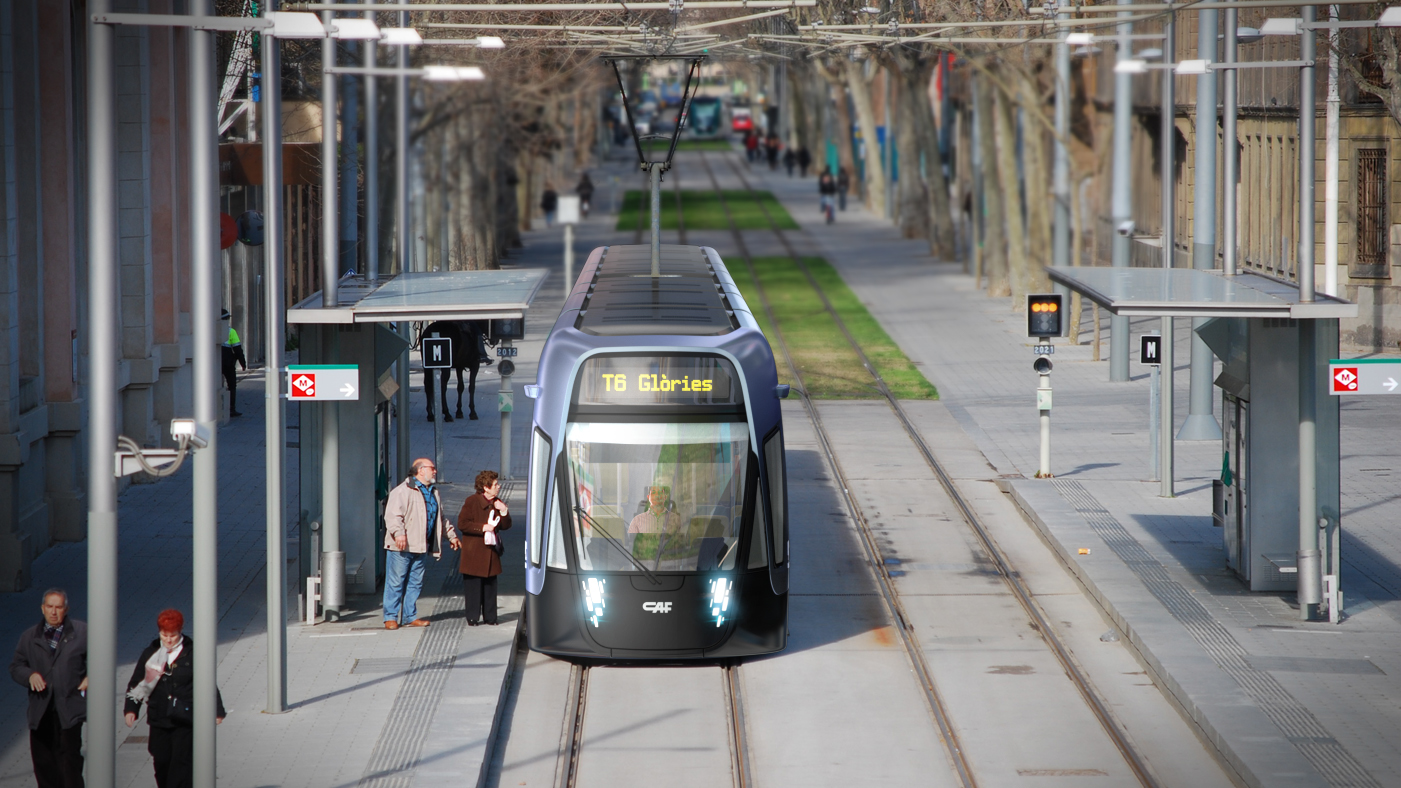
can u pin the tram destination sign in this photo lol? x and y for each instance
(1364, 376)
(321, 382)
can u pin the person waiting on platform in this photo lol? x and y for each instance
(482, 519)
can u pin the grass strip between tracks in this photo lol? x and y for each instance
(703, 210)
(825, 359)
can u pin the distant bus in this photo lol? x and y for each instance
(741, 120)
(706, 118)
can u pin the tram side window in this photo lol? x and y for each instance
(539, 481)
(778, 501)
(554, 556)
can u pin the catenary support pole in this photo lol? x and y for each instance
(275, 422)
(1200, 424)
(371, 161)
(1121, 208)
(654, 177)
(204, 313)
(401, 243)
(349, 258)
(568, 259)
(1060, 189)
(1330, 165)
(330, 228)
(1230, 164)
(1309, 561)
(103, 331)
(332, 582)
(1166, 149)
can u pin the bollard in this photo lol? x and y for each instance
(505, 402)
(1043, 404)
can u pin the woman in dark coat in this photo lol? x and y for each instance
(482, 518)
(164, 680)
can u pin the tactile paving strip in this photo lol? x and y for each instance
(397, 752)
(1294, 720)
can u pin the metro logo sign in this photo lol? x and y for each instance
(1344, 380)
(304, 385)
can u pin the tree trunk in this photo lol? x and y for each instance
(994, 225)
(914, 212)
(866, 117)
(846, 150)
(941, 230)
(1010, 187)
(1038, 192)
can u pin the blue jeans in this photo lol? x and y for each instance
(403, 581)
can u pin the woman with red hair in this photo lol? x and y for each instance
(164, 680)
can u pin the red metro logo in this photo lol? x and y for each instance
(1345, 380)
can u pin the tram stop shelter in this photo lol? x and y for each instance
(1255, 325)
(344, 445)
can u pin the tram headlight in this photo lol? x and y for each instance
(720, 589)
(593, 599)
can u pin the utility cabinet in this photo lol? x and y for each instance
(1257, 497)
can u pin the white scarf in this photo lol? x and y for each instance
(155, 668)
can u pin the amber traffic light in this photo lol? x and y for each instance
(1043, 313)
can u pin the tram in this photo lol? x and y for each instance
(657, 514)
(706, 118)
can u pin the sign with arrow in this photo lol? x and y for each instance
(322, 382)
(1364, 376)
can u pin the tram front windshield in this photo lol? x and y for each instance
(657, 496)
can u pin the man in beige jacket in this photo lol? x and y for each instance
(413, 519)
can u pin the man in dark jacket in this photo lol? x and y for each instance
(51, 661)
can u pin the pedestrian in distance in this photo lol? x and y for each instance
(164, 681)
(771, 148)
(804, 161)
(549, 203)
(827, 189)
(751, 146)
(231, 354)
(413, 524)
(482, 519)
(585, 192)
(843, 186)
(789, 159)
(51, 662)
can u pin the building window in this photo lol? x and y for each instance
(1370, 260)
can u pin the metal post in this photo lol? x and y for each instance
(1043, 406)
(1060, 241)
(103, 331)
(1167, 149)
(1200, 424)
(1155, 391)
(1231, 157)
(654, 176)
(371, 161)
(401, 170)
(435, 388)
(330, 231)
(1330, 166)
(1121, 197)
(505, 403)
(204, 313)
(349, 170)
(1309, 563)
(568, 259)
(403, 455)
(275, 424)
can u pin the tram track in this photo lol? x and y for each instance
(890, 595)
(573, 738)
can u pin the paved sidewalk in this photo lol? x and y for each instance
(1284, 702)
(367, 706)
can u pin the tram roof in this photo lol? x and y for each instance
(686, 300)
(1188, 292)
(427, 296)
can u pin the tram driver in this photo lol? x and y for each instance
(660, 516)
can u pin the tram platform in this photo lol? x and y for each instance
(1284, 702)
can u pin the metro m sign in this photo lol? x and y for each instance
(320, 382)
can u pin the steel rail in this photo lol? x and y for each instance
(1009, 575)
(571, 741)
(942, 719)
(739, 741)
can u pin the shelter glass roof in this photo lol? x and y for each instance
(1186, 292)
(428, 295)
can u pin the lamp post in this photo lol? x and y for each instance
(1200, 423)
(1121, 207)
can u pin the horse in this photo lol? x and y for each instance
(466, 354)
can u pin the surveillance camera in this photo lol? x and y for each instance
(1042, 365)
(1125, 228)
(188, 429)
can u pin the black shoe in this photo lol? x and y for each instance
(492, 623)
(473, 623)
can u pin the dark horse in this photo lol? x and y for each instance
(466, 336)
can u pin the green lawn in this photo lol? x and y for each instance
(825, 359)
(703, 210)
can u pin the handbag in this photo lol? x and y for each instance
(179, 712)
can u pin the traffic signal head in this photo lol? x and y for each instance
(1043, 315)
(1042, 365)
